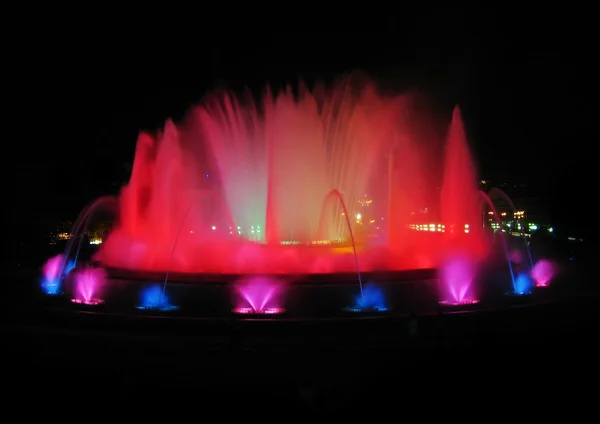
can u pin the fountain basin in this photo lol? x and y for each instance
(252, 311)
(301, 298)
(89, 302)
(457, 303)
(367, 310)
(165, 308)
(518, 294)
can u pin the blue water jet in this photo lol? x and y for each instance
(153, 298)
(523, 285)
(371, 299)
(51, 287)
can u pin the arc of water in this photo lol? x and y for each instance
(512, 206)
(103, 199)
(337, 194)
(489, 202)
(79, 227)
(321, 229)
(183, 220)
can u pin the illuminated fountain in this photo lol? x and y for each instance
(57, 268)
(88, 284)
(543, 272)
(153, 298)
(371, 299)
(458, 279)
(497, 193)
(53, 272)
(538, 274)
(523, 285)
(306, 182)
(269, 167)
(521, 282)
(259, 296)
(463, 237)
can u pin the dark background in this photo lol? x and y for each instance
(526, 83)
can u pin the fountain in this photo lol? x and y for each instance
(520, 282)
(543, 272)
(523, 285)
(363, 301)
(53, 272)
(463, 242)
(154, 299)
(371, 299)
(301, 183)
(496, 192)
(232, 227)
(259, 296)
(88, 283)
(458, 278)
(58, 267)
(273, 163)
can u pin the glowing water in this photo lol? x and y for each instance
(53, 272)
(152, 298)
(232, 228)
(56, 268)
(460, 208)
(496, 192)
(244, 187)
(523, 284)
(543, 272)
(105, 203)
(458, 277)
(490, 204)
(259, 295)
(372, 298)
(270, 165)
(88, 285)
(337, 194)
(460, 204)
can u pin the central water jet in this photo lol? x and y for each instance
(463, 242)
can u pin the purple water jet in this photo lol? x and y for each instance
(259, 295)
(543, 272)
(458, 279)
(88, 284)
(53, 272)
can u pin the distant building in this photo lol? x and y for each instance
(60, 232)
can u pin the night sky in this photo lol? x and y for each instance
(526, 88)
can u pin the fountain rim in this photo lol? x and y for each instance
(172, 318)
(336, 278)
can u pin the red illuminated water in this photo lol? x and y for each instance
(269, 167)
(464, 241)
(460, 198)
